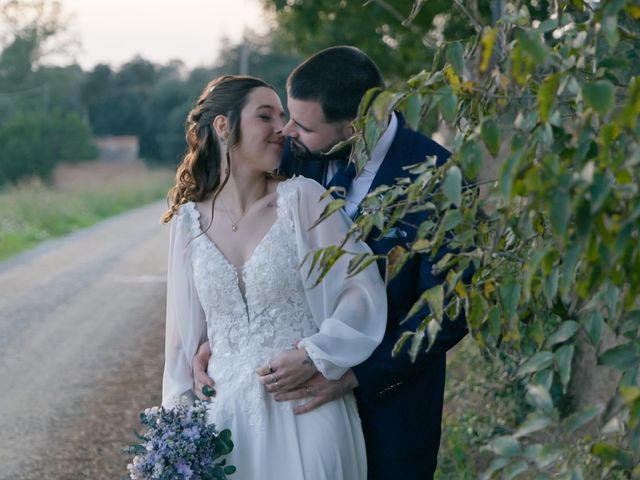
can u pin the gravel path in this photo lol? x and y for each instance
(81, 348)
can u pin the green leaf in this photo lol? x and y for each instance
(396, 258)
(538, 397)
(510, 297)
(599, 95)
(610, 29)
(537, 362)
(622, 357)
(505, 446)
(515, 469)
(470, 159)
(611, 454)
(599, 190)
(507, 173)
(563, 357)
(490, 134)
(412, 110)
(454, 55)
(569, 264)
(452, 186)
(451, 220)
(560, 211)
(565, 331)
(329, 210)
(435, 299)
(533, 44)
(547, 95)
(399, 345)
(579, 419)
(447, 103)
(534, 423)
(593, 323)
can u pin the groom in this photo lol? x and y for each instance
(399, 401)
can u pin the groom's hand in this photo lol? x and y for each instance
(319, 390)
(200, 378)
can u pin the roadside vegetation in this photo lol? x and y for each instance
(80, 195)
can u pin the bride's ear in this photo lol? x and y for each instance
(221, 127)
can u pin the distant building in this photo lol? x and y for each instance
(120, 149)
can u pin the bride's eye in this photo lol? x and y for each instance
(266, 118)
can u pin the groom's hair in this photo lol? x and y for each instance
(338, 78)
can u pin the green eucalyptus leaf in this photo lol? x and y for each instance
(533, 423)
(565, 331)
(412, 108)
(599, 95)
(539, 397)
(490, 134)
(537, 362)
(547, 95)
(452, 186)
(611, 454)
(455, 56)
(623, 357)
(514, 470)
(533, 44)
(563, 357)
(581, 418)
(470, 159)
(447, 103)
(505, 446)
(510, 297)
(560, 211)
(594, 324)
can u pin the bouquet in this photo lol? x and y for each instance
(179, 444)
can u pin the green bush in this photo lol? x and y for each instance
(32, 143)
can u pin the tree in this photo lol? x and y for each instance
(398, 46)
(553, 237)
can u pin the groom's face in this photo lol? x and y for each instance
(310, 133)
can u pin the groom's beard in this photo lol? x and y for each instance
(301, 152)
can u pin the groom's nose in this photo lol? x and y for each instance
(289, 129)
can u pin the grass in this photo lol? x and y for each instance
(80, 195)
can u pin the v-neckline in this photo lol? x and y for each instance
(242, 267)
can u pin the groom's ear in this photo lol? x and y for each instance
(221, 127)
(347, 129)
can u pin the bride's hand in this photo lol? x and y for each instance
(287, 370)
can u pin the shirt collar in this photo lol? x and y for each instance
(383, 145)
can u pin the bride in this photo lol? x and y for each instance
(238, 240)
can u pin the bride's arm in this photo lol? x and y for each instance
(185, 321)
(350, 313)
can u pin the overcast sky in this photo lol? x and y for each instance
(114, 31)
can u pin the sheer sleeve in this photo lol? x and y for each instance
(185, 322)
(350, 313)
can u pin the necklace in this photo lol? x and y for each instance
(234, 223)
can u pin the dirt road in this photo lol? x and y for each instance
(81, 340)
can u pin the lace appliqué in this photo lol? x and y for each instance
(245, 335)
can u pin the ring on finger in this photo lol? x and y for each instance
(270, 369)
(306, 391)
(274, 380)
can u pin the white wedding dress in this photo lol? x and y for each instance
(339, 323)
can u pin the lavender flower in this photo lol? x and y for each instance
(179, 444)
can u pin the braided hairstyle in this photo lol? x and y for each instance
(198, 174)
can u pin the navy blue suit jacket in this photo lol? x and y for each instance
(400, 401)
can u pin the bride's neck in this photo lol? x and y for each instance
(243, 190)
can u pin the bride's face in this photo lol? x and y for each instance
(261, 124)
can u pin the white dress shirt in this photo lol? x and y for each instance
(362, 183)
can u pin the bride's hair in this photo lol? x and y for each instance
(198, 174)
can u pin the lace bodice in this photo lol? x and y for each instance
(246, 330)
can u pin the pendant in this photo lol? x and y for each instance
(234, 227)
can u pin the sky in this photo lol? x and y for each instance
(114, 31)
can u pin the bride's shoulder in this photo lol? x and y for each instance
(302, 186)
